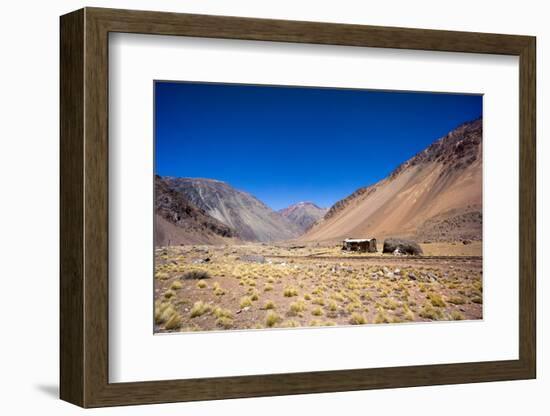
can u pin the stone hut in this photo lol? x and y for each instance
(366, 245)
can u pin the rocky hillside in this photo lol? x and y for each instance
(435, 195)
(303, 214)
(178, 221)
(250, 218)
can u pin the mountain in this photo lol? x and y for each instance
(436, 195)
(303, 214)
(250, 218)
(178, 221)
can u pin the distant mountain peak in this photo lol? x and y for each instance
(303, 214)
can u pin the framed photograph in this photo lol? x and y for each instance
(257, 207)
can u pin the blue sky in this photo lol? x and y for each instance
(290, 144)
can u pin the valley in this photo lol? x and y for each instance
(224, 260)
(257, 286)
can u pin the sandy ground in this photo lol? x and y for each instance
(257, 286)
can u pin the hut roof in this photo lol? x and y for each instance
(358, 240)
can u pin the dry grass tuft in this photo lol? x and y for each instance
(477, 299)
(272, 318)
(291, 323)
(290, 291)
(201, 284)
(297, 307)
(245, 302)
(196, 275)
(357, 319)
(457, 316)
(317, 311)
(224, 322)
(199, 308)
(457, 300)
(269, 305)
(429, 312)
(436, 299)
(381, 317)
(169, 293)
(176, 285)
(173, 322)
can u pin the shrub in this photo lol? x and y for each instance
(317, 311)
(224, 322)
(245, 302)
(457, 300)
(357, 319)
(199, 308)
(269, 305)
(436, 299)
(201, 284)
(477, 299)
(163, 311)
(318, 301)
(381, 317)
(290, 291)
(176, 285)
(173, 322)
(218, 291)
(297, 307)
(196, 275)
(169, 293)
(429, 312)
(161, 275)
(222, 313)
(290, 324)
(254, 296)
(457, 316)
(272, 318)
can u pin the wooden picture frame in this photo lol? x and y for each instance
(84, 207)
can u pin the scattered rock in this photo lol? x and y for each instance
(465, 242)
(391, 245)
(412, 276)
(200, 261)
(432, 276)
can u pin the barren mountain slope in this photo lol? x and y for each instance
(251, 219)
(178, 221)
(435, 195)
(303, 214)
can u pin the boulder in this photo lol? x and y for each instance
(402, 246)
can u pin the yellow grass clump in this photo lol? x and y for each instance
(176, 285)
(173, 322)
(357, 319)
(245, 302)
(317, 311)
(290, 291)
(436, 299)
(199, 308)
(297, 307)
(269, 305)
(272, 318)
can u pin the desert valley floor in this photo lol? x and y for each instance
(254, 286)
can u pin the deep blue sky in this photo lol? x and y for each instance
(289, 144)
